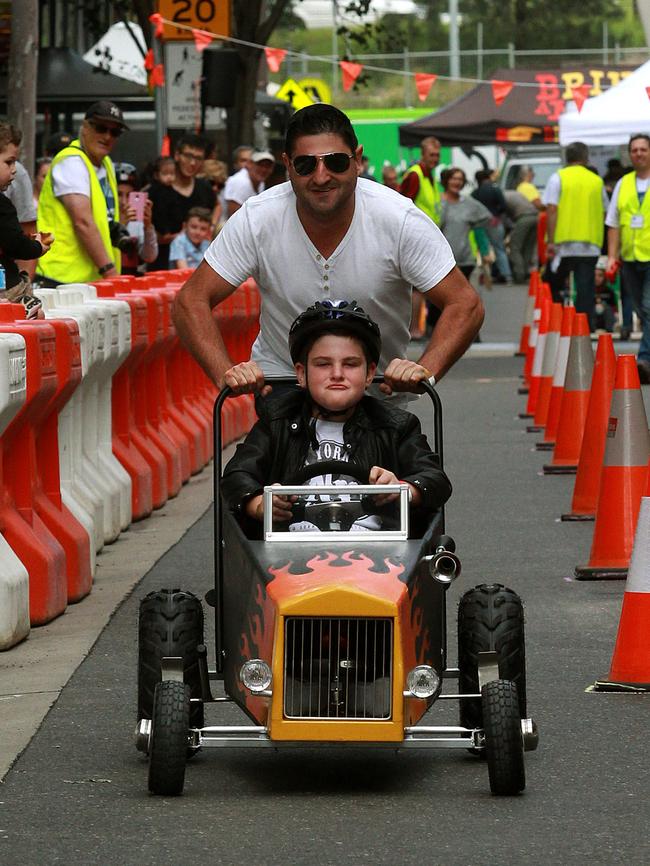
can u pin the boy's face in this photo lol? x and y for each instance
(197, 230)
(8, 158)
(337, 373)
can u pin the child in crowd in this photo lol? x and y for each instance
(14, 244)
(143, 246)
(335, 348)
(188, 247)
(164, 171)
(605, 298)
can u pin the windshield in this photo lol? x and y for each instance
(543, 171)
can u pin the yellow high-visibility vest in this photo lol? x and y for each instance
(635, 241)
(580, 210)
(67, 260)
(428, 197)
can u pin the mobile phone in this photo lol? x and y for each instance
(137, 201)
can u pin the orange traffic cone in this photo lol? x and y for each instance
(543, 293)
(573, 411)
(559, 375)
(623, 479)
(536, 371)
(533, 284)
(585, 491)
(630, 667)
(548, 368)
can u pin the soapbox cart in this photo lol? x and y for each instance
(333, 638)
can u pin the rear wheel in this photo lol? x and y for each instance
(168, 743)
(170, 624)
(490, 618)
(504, 745)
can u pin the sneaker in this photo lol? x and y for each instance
(625, 333)
(644, 371)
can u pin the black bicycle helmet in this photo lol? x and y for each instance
(329, 316)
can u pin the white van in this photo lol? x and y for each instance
(543, 161)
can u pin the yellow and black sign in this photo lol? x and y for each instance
(293, 93)
(210, 15)
(317, 89)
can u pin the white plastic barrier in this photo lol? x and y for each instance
(14, 580)
(117, 349)
(78, 491)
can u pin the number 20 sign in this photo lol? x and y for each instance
(211, 15)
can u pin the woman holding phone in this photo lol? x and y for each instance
(138, 242)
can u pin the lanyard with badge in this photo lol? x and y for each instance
(636, 221)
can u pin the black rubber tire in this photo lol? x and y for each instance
(490, 618)
(170, 624)
(504, 745)
(169, 738)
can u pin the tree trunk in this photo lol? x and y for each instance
(23, 70)
(243, 114)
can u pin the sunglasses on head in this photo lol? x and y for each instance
(102, 129)
(338, 163)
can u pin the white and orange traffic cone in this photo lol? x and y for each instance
(623, 479)
(543, 293)
(592, 453)
(575, 400)
(533, 284)
(548, 368)
(536, 371)
(630, 667)
(559, 375)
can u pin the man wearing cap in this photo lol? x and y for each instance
(79, 202)
(248, 181)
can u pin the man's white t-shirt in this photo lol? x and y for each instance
(569, 248)
(391, 246)
(642, 184)
(239, 187)
(71, 176)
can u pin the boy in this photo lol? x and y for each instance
(605, 298)
(14, 244)
(188, 247)
(335, 347)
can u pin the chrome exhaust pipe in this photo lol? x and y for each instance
(444, 565)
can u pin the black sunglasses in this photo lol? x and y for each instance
(102, 129)
(334, 162)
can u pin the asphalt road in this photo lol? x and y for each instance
(78, 794)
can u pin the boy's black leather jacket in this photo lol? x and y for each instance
(378, 434)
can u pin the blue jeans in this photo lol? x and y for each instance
(583, 268)
(496, 233)
(636, 276)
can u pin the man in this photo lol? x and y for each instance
(492, 198)
(171, 203)
(240, 157)
(328, 234)
(248, 181)
(628, 238)
(420, 185)
(79, 203)
(527, 188)
(576, 201)
(523, 236)
(389, 176)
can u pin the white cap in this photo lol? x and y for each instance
(261, 155)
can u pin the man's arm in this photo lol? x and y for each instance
(232, 206)
(80, 211)
(551, 222)
(410, 185)
(613, 246)
(195, 324)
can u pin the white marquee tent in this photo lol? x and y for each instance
(612, 117)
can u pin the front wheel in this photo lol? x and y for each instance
(504, 743)
(168, 744)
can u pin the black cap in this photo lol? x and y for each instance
(57, 141)
(106, 110)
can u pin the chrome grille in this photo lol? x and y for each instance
(338, 668)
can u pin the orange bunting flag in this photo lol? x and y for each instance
(423, 84)
(157, 77)
(351, 71)
(500, 89)
(580, 94)
(274, 58)
(647, 90)
(201, 39)
(157, 21)
(165, 147)
(149, 62)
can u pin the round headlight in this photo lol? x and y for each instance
(255, 675)
(423, 681)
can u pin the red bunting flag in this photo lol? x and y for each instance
(500, 89)
(165, 147)
(423, 84)
(647, 90)
(157, 77)
(157, 21)
(274, 58)
(201, 39)
(149, 62)
(580, 94)
(351, 71)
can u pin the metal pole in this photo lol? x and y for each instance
(479, 51)
(407, 79)
(605, 42)
(511, 55)
(335, 49)
(159, 94)
(454, 58)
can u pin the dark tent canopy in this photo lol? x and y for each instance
(528, 115)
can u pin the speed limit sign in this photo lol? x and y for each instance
(211, 15)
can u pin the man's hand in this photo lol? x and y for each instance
(45, 239)
(402, 375)
(246, 378)
(282, 507)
